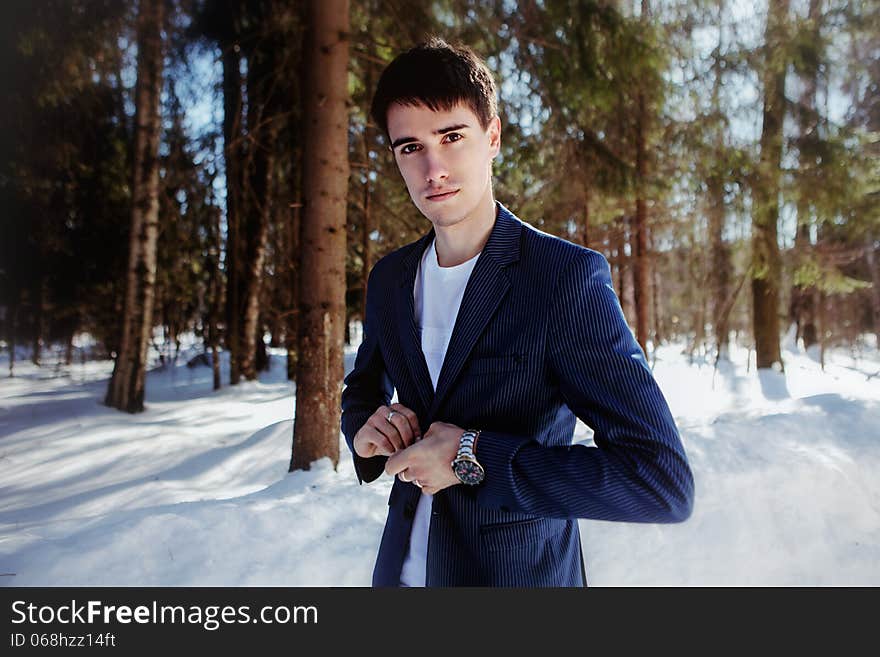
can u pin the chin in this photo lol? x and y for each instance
(443, 217)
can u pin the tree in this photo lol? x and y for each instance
(802, 307)
(126, 388)
(766, 261)
(323, 243)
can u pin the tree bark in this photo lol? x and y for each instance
(322, 273)
(640, 225)
(585, 227)
(263, 107)
(874, 268)
(215, 294)
(721, 271)
(292, 250)
(766, 260)
(126, 389)
(622, 265)
(639, 233)
(656, 298)
(13, 327)
(802, 310)
(258, 229)
(366, 244)
(39, 312)
(232, 125)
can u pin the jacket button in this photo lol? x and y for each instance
(409, 510)
(504, 508)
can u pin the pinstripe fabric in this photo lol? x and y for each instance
(540, 340)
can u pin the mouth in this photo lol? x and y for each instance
(442, 196)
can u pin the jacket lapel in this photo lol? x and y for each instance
(410, 339)
(483, 294)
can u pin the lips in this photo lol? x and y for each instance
(441, 196)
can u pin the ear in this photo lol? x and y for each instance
(494, 134)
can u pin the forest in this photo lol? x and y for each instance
(209, 167)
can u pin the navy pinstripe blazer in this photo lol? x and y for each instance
(539, 339)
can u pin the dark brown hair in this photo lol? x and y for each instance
(438, 76)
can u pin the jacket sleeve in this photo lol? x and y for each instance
(637, 471)
(367, 387)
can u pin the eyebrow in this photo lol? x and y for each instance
(441, 131)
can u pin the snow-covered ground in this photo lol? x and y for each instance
(195, 491)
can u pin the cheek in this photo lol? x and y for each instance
(410, 174)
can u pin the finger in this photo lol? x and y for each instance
(388, 430)
(402, 476)
(403, 428)
(411, 418)
(380, 442)
(397, 462)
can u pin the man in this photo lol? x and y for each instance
(496, 337)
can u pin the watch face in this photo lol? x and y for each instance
(468, 472)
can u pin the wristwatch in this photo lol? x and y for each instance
(465, 465)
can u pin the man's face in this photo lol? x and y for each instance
(445, 159)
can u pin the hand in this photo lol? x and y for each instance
(429, 461)
(383, 437)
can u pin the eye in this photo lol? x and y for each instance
(409, 148)
(453, 137)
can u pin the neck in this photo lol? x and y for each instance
(461, 242)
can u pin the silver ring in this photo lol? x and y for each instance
(416, 482)
(390, 415)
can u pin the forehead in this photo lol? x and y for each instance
(419, 120)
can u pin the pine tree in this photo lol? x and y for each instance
(126, 388)
(766, 261)
(322, 272)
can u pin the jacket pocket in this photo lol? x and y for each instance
(514, 535)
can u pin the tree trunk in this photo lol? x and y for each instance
(622, 265)
(766, 260)
(68, 349)
(13, 327)
(126, 389)
(216, 295)
(802, 308)
(802, 311)
(585, 228)
(39, 312)
(721, 271)
(366, 244)
(263, 107)
(640, 225)
(291, 323)
(874, 268)
(232, 125)
(258, 229)
(322, 273)
(640, 234)
(656, 297)
(292, 248)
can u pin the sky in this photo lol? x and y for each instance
(195, 490)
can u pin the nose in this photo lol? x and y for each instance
(435, 168)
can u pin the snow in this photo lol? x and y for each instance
(195, 490)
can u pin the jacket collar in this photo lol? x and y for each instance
(487, 286)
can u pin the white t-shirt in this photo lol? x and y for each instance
(437, 297)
